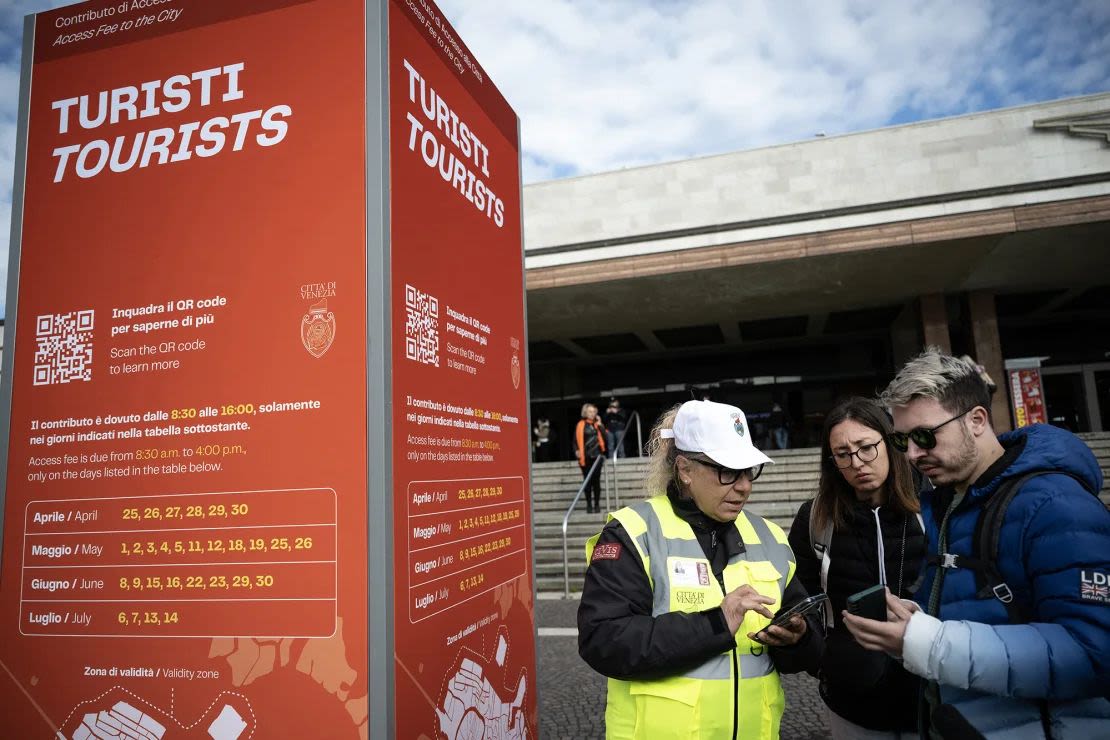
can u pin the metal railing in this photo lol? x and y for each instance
(566, 520)
(586, 480)
(616, 446)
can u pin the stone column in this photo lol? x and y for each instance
(934, 322)
(988, 352)
(905, 335)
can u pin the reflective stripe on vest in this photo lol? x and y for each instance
(682, 581)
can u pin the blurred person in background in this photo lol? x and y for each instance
(616, 420)
(541, 442)
(589, 445)
(780, 428)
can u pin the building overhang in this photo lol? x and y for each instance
(994, 201)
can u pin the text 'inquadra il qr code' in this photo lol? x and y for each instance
(421, 327)
(64, 347)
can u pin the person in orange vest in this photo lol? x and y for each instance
(589, 445)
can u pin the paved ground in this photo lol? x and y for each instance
(572, 696)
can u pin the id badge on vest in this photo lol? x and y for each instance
(691, 582)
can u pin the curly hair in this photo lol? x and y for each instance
(662, 453)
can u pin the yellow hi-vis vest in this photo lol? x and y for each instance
(738, 689)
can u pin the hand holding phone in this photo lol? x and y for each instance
(784, 618)
(869, 603)
(740, 601)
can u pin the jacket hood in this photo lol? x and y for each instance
(1051, 448)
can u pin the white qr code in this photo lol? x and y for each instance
(421, 327)
(64, 347)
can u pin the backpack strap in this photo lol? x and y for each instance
(988, 531)
(914, 587)
(821, 542)
(985, 544)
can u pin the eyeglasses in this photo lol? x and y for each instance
(729, 476)
(924, 438)
(865, 453)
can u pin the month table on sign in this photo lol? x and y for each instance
(466, 537)
(185, 565)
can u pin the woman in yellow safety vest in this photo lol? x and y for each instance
(681, 589)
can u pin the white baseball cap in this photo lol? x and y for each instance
(718, 431)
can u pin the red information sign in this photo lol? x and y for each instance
(463, 617)
(1027, 393)
(184, 533)
(187, 505)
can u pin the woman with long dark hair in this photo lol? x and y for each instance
(861, 529)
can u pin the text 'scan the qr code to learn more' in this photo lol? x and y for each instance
(421, 326)
(64, 347)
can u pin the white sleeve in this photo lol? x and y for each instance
(926, 648)
(979, 656)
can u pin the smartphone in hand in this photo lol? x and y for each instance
(869, 603)
(803, 607)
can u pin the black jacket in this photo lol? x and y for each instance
(618, 637)
(866, 687)
(616, 421)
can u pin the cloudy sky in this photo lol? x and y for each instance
(604, 85)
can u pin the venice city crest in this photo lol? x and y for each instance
(318, 329)
(514, 364)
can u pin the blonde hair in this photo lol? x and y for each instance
(662, 453)
(956, 383)
(586, 407)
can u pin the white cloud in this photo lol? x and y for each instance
(605, 85)
(11, 39)
(600, 86)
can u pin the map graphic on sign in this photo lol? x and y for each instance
(122, 720)
(115, 716)
(471, 709)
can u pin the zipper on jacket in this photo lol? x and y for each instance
(735, 659)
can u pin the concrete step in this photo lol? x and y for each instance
(780, 495)
(765, 484)
(1099, 442)
(553, 585)
(777, 483)
(638, 482)
(570, 467)
(550, 533)
(552, 545)
(582, 526)
(777, 495)
(555, 510)
(630, 473)
(553, 569)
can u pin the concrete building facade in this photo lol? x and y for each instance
(799, 273)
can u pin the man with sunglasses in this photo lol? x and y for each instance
(1018, 647)
(681, 589)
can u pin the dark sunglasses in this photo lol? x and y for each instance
(924, 438)
(729, 476)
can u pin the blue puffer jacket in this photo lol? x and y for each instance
(1055, 536)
